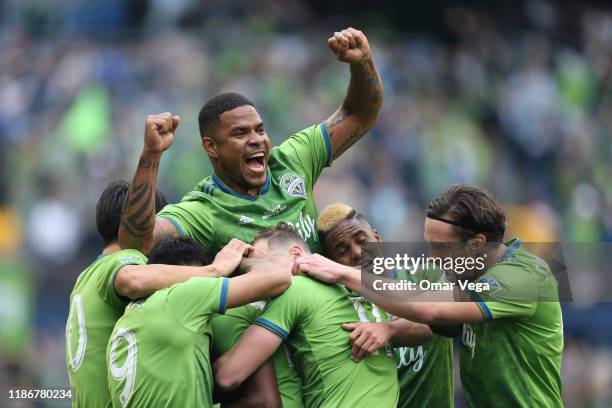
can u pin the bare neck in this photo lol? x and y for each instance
(242, 190)
(109, 249)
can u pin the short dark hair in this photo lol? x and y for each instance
(471, 211)
(178, 251)
(281, 235)
(110, 205)
(210, 112)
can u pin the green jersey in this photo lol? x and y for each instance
(158, 353)
(228, 328)
(308, 316)
(425, 372)
(95, 306)
(213, 213)
(513, 358)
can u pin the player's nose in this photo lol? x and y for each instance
(256, 138)
(355, 255)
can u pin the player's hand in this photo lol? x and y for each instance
(159, 132)
(228, 259)
(366, 338)
(318, 267)
(350, 46)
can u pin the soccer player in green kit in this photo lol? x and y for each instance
(227, 329)
(512, 340)
(103, 289)
(253, 185)
(308, 317)
(424, 362)
(158, 354)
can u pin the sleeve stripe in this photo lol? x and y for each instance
(113, 289)
(223, 300)
(328, 146)
(482, 304)
(175, 223)
(272, 327)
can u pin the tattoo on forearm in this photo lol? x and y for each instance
(363, 100)
(138, 215)
(365, 89)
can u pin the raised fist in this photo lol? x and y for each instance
(350, 46)
(159, 131)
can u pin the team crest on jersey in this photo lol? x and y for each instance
(293, 185)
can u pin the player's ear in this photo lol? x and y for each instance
(210, 147)
(477, 242)
(296, 251)
(377, 236)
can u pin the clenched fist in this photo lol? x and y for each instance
(159, 132)
(350, 46)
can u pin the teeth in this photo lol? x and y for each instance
(254, 155)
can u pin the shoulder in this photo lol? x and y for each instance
(128, 256)
(202, 192)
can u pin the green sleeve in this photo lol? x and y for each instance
(227, 328)
(311, 148)
(512, 293)
(283, 313)
(106, 280)
(191, 219)
(195, 301)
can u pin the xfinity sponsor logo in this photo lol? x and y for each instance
(305, 226)
(245, 220)
(293, 185)
(468, 338)
(411, 355)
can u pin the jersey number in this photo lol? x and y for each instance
(127, 371)
(76, 308)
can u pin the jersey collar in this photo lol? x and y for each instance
(513, 245)
(228, 190)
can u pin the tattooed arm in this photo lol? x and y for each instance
(365, 92)
(139, 229)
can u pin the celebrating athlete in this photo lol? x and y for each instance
(103, 289)
(159, 351)
(424, 362)
(308, 318)
(253, 185)
(512, 339)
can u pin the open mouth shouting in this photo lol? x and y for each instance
(256, 163)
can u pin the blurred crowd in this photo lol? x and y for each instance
(523, 110)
